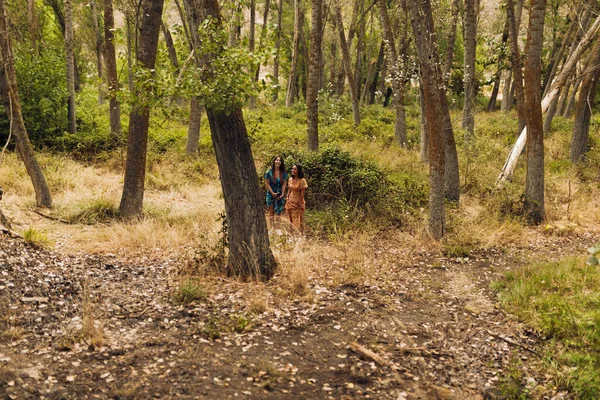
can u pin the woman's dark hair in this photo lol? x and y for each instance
(281, 168)
(300, 172)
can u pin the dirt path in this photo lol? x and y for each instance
(83, 327)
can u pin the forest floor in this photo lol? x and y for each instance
(382, 317)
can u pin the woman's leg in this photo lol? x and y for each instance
(270, 216)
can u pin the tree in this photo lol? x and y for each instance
(298, 22)
(139, 118)
(470, 38)
(111, 72)
(585, 103)
(515, 56)
(10, 94)
(451, 40)
(534, 185)
(70, 57)
(346, 61)
(431, 78)
(98, 48)
(249, 248)
(314, 76)
(277, 50)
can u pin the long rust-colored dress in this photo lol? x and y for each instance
(295, 204)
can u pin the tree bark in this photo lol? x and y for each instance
(568, 109)
(313, 78)
(291, 88)
(248, 240)
(70, 61)
(378, 67)
(277, 50)
(451, 40)
(111, 72)
(252, 44)
(10, 94)
(431, 77)
(347, 67)
(171, 51)
(139, 118)
(60, 19)
(470, 38)
(424, 145)
(193, 133)
(99, 50)
(534, 185)
(515, 56)
(32, 22)
(585, 103)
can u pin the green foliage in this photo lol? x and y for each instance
(189, 290)
(95, 211)
(561, 301)
(594, 251)
(35, 237)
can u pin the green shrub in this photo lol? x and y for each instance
(94, 211)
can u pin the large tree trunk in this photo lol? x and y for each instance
(347, 67)
(534, 185)
(585, 103)
(422, 23)
(291, 88)
(313, 78)
(470, 38)
(397, 76)
(10, 95)
(249, 249)
(111, 72)
(137, 142)
(277, 50)
(70, 60)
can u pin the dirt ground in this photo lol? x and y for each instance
(105, 326)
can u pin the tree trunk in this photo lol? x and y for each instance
(193, 133)
(184, 18)
(397, 76)
(563, 97)
(534, 185)
(314, 74)
(60, 19)
(451, 40)
(111, 72)
(494, 95)
(585, 103)
(252, 45)
(424, 145)
(517, 69)
(571, 101)
(360, 50)
(99, 49)
(70, 60)
(347, 67)
(170, 47)
(291, 88)
(137, 142)
(378, 67)
(249, 249)
(422, 23)
(129, 55)
(470, 38)
(10, 94)
(277, 50)
(506, 104)
(261, 41)
(33, 25)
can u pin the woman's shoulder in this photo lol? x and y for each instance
(303, 183)
(269, 173)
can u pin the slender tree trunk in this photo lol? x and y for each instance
(360, 50)
(193, 134)
(10, 94)
(111, 72)
(171, 51)
(506, 100)
(129, 55)
(470, 38)
(585, 103)
(534, 186)
(347, 67)
(60, 19)
(424, 145)
(99, 50)
(378, 67)
(249, 249)
(291, 88)
(252, 45)
(571, 101)
(515, 56)
(314, 74)
(70, 66)
(422, 23)
(277, 50)
(184, 19)
(33, 25)
(397, 76)
(494, 95)
(451, 40)
(139, 118)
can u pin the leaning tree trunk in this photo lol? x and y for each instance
(249, 249)
(293, 76)
(534, 184)
(422, 23)
(313, 78)
(10, 95)
(585, 103)
(111, 72)
(70, 57)
(135, 168)
(347, 67)
(470, 38)
(571, 101)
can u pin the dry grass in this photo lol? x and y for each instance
(92, 330)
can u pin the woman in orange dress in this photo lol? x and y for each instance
(295, 204)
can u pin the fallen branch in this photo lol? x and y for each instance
(512, 342)
(369, 354)
(64, 221)
(10, 233)
(304, 356)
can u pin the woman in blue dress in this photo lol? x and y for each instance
(276, 183)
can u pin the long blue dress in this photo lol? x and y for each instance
(276, 185)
